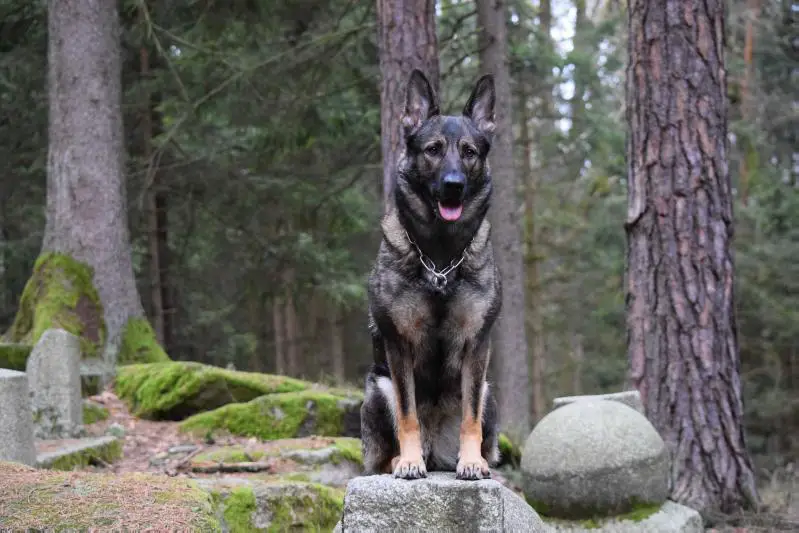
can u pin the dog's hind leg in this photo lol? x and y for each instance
(490, 446)
(378, 435)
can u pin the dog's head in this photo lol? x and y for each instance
(446, 155)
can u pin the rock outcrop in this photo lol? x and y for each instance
(436, 503)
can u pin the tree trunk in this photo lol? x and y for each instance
(407, 40)
(292, 339)
(509, 340)
(337, 346)
(577, 363)
(280, 336)
(156, 294)
(86, 200)
(682, 336)
(753, 8)
(534, 302)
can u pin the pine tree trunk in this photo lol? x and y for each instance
(337, 346)
(681, 326)
(534, 302)
(86, 200)
(156, 294)
(407, 40)
(509, 339)
(280, 335)
(753, 7)
(292, 337)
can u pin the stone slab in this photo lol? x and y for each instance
(672, 518)
(49, 452)
(16, 421)
(54, 374)
(436, 503)
(631, 398)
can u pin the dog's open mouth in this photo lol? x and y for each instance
(450, 212)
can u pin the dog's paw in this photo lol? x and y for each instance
(409, 468)
(472, 469)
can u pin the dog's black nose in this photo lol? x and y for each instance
(453, 183)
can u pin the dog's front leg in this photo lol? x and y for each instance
(471, 464)
(410, 463)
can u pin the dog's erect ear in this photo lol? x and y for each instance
(480, 107)
(420, 102)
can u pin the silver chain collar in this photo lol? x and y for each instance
(439, 276)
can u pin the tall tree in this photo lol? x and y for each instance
(86, 200)
(681, 326)
(407, 40)
(509, 341)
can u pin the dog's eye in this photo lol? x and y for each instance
(433, 149)
(469, 153)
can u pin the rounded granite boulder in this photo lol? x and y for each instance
(594, 458)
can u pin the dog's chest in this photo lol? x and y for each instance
(424, 317)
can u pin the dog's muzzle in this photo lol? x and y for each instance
(450, 196)
(453, 185)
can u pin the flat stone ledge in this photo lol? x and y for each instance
(631, 398)
(53, 452)
(671, 518)
(436, 503)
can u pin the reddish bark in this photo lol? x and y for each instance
(407, 37)
(682, 335)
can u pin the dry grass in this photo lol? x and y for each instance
(779, 494)
(43, 499)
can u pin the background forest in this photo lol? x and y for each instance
(255, 182)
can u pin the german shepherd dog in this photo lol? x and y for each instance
(434, 293)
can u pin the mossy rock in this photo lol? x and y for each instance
(75, 454)
(277, 506)
(331, 461)
(60, 294)
(339, 448)
(639, 513)
(14, 356)
(176, 390)
(139, 344)
(46, 500)
(284, 416)
(509, 454)
(93, 412)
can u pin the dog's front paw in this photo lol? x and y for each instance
(409, 468)
(472, 469)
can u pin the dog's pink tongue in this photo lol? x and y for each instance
(450, 213)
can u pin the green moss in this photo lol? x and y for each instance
(14, 356)
(139, 344)
(508, 452)
(105, 454)
(350, 449)
(292, 505)
(239, 507)
(228, 454)
(60, 294)
(176, 390)
(317, 510)
(93, 413)
(540, 507)
(639, 512)
(278, 416)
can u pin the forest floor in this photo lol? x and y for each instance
(158, 447)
